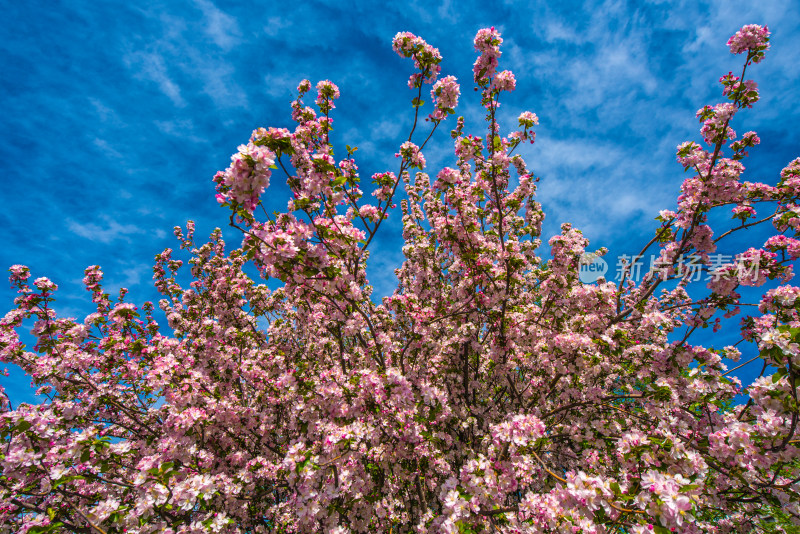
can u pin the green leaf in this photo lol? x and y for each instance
(300, 465)
(64, 480)
(85, 455)
(773, 500)
(22, 426)
(780, 373)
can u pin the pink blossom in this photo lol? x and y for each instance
(327, 92)
(504, 81)
(750, 38)
(411, 153)
(445, 94)
(487, 42)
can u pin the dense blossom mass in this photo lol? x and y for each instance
(493, 391)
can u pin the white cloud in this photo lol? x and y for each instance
(276, 26)
(380, 269)
(132, 275)
(181, 128)
(108, 150)
(106, 233)
(178, 54)
(152, 66)
(555, 30)
(125, 275)
(278, 86)
(105, 113)
(219, 83)
(221, 27)
(600, 187)
(448, 12)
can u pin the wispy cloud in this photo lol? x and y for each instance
(108, 150)
(108, 232)
(276, 26)
(279, 86)
(181, 128)
(221, 27)
(151, 66)
(177, 58)
(129, 275)
(557, 30)
(219, 83)
(599, 186)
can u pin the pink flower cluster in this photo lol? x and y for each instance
(743, 212)
(753, 39)
(426, 58)
(785, 244)
(247, 177)
(327, 92)
(520, 431)
(487, 42)
(744, 93)
(412, 154)
(504, 81)
(749, 139)
(715, 123)
(445, 94)
(19, 273)
(526, 120)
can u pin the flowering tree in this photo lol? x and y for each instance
(491, 392)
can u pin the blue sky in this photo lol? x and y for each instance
(116, 115)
